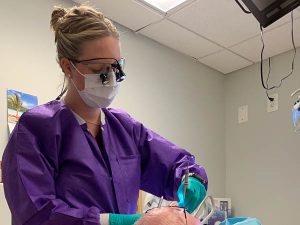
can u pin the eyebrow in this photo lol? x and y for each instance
(85, 60)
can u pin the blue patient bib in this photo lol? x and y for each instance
(241, 221)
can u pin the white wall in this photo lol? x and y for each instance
(179, 98)
(27, 61)
(262, 155)
(167, 91)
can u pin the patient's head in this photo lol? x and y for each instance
(167, 216)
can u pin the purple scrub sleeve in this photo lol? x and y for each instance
(55, 172)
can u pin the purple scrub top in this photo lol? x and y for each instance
(55, 172)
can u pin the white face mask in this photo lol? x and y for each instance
(95, 94)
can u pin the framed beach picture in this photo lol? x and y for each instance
(18, 103)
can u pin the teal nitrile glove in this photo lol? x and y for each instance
(123, 219)
(195, 193)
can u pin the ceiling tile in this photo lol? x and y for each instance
(174, 36)
(276, 41)
(129, 13)
(221, 21)
(225, 61)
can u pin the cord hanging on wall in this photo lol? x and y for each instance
(267, 12)
(266, 86)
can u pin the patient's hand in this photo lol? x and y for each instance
(167, 216)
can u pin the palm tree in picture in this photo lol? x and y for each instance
(14, 102)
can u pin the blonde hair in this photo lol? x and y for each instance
(76, 25)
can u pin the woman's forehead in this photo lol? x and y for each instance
(105, 47)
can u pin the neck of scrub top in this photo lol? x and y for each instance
(81, 121)
(73, 100)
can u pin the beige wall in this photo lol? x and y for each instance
(182, 100)
(27, 61)
(178, 98)
(262, 155)
(167, 91)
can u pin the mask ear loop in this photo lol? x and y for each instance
(63, 90)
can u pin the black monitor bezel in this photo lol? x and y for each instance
(261, 15)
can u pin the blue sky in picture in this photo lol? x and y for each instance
(29, 101)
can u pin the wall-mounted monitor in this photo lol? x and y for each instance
(268, 11)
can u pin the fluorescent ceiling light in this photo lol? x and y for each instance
(164, 5)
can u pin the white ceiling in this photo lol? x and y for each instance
(217, 33)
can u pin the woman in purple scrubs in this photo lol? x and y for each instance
(75, 161)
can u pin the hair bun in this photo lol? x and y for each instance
(57, 14)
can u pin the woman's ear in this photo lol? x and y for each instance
(66, 66)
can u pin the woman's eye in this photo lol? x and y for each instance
(101, 69)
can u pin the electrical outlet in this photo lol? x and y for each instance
(243, 114)
(272, 106)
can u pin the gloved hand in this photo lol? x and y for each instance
(194, 195)
(124, 219)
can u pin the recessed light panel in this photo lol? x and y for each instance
(164, 5)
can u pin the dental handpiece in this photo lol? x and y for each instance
(186, 182)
